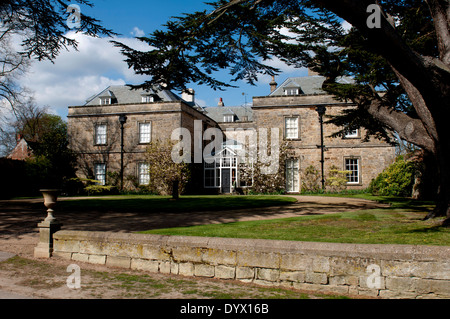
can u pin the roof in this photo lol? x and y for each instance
(22, 151)
(242, 113)
(307, 84)
(122, 94)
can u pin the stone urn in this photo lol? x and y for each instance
(48, 226)
(50, 198)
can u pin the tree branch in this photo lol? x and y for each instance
(408, 128)
(440, 12)
(419, 105)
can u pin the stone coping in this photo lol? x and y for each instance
(382, 251)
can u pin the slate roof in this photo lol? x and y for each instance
(240, 112)
(123, 94)
(307, 84)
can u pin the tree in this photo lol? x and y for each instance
(52, 163)
(42, 26)
(23, 119)
(337, 179)
(399, 47)
(267, 173)
(166, 175)
(13, 65)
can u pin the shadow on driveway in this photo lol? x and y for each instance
(19, 217)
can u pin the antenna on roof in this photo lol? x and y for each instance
(245, 98)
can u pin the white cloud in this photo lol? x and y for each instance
(286, 70)
(201, 102)
(76, 75)
(346, 26)
(137, 32)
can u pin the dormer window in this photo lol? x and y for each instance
(105, 101)
(148, 99)
(228, 118)
(292, 91)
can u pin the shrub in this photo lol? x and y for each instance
(92, 187)
(101, 190)
(336, 180)
(396, 180)
(310, 179)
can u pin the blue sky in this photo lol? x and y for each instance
(76, 75)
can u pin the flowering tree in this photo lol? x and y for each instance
(166, 175)
(268, 175)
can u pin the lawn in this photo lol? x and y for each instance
(402, 223)
(153, 203)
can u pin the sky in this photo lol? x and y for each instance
(76, 75)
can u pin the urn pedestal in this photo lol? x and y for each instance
(48, 226)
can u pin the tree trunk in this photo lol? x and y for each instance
(175, 193)
(425, 79)
(443, 197)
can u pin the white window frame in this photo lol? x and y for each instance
(100, 171)
(143, 173)
(353, 164)
(352, 134)
(291, 91)
(293, 175)
(101, 138)
(289, 128)
(225, 159)
(105, 101)
(148, 99)
(145, 137)
(228, 118)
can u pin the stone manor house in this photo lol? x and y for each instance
(95, 133)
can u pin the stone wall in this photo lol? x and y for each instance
(386, 271)
(374, 155)
(164, 118)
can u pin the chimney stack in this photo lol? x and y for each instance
(221, 102)
(273, 84)
(188, 95)
(312, 73)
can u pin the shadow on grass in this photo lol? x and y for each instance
(405, 203)
(427, 230)
(164, 204)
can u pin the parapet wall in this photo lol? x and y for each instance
(386, 271)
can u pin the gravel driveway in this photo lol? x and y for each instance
(19, 236)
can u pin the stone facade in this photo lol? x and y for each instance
(373, 155)
(384, 271)
(164, 112)
(163, 117)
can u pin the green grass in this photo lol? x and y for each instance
(402, 223)
(153, 203)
